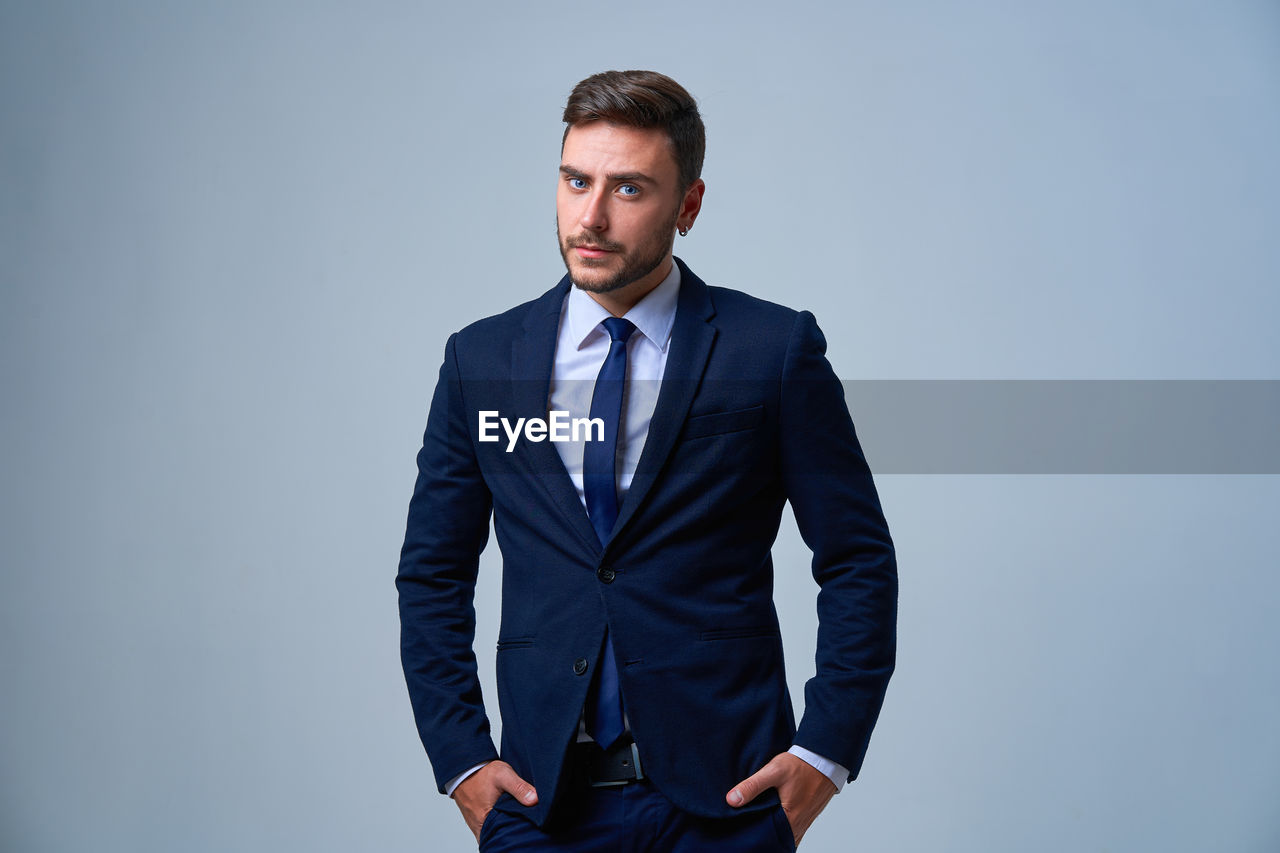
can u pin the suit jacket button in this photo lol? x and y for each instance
(605, 574)
(580, 666)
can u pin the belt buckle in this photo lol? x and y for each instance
(635, 765)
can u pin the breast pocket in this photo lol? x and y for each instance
(720, 423)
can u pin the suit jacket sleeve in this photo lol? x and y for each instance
(447, 528)
(839, 516)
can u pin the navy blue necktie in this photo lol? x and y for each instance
(600, 487)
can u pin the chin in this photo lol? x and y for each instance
(596, 286)
(593, 278)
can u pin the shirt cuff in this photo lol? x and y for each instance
(837, 774)
(457, 780)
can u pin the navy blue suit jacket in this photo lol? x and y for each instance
(749, 416)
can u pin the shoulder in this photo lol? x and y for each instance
(513, 323)
(737, 306)
(755, 338)
(501, 326)
(759, 323)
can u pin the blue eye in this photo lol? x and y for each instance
(578, 183)
(629, 189)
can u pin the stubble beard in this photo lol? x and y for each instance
(636, 264)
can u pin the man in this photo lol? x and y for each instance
(639, 666)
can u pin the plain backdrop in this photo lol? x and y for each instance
(234, 238)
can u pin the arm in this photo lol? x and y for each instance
(447, 529)
(839, 517)
(448, 526)
(838, 513)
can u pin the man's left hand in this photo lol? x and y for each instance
(803, 789)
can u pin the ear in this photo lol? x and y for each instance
(691, 205)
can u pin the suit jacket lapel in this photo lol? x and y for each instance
(532, 359)
(691, 338)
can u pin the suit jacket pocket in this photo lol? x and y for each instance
(739, 633)
(515, 643)
(718, 423)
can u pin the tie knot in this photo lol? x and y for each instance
(619, 328)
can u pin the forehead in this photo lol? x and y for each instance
(607, 147)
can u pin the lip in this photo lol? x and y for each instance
(591, 252)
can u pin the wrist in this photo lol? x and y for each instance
(833, 771)
(452, 784)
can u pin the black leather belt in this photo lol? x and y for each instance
(618, 765)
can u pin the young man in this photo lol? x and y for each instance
(640, 667)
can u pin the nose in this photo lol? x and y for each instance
(593, 216)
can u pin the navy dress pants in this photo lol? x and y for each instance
(634, 818)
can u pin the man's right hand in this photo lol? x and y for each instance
(476, 794)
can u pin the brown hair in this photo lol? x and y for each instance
(643, 99)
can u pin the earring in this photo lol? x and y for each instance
(683, 231)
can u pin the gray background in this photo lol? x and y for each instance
(233, 240)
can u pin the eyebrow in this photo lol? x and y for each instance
(612, 177)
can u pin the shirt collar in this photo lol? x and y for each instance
(653, 316)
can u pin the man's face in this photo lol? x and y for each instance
(617, 205)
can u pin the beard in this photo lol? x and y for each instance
(636, 263)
